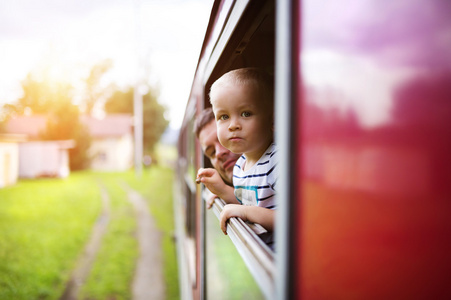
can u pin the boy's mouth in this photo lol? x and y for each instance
(235, 139)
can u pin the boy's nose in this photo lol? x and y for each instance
(234, 125)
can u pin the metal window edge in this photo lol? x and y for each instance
(257, 256)
(237, 9)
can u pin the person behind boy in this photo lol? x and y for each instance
(242, 102)
(220, 157)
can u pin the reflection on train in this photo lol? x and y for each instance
(363, 110)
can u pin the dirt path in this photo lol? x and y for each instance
(86, 260)
(148, 282)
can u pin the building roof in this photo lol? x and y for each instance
(61, 144)
(109, 126)
(28, 125)
(12, 138)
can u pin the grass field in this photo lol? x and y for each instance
(112, 272)
(45, 223)
(156, 186)
(43, 226)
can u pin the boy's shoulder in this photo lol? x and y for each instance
(271, 150)
(268, 155)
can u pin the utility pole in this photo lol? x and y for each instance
(137, 95)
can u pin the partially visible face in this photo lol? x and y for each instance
(222, 159)
(243, 119)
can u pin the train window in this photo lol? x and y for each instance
(244, 264)
(250, 43)
(188, 204)
(241, 33)
(186, 173)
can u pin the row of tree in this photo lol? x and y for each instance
(56, 100)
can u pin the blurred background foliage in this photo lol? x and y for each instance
(154, 122)
(63, 103)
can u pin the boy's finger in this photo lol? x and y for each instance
(201, 173)
(223, 222)
(210, 202)
(224, 227)
(206, 172)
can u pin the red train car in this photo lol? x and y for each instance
(363, 124)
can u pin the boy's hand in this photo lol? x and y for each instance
(211, 200)
(212, 180)
(254, 214)
(229, 211)
(204, 173)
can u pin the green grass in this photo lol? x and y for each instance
(156, 186)
(43, 225)
(112, 273)
(225, 262)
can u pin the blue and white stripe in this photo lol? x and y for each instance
(256, 185)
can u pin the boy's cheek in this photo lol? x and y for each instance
(222, 140)
(221, 134)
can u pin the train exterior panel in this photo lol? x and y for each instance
(373, 125)
(363, 123)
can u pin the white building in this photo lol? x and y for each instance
(111, 147)
(9, 158)
(44, 159)
(112, 142)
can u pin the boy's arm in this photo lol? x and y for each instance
(254, 214)
(213, 181)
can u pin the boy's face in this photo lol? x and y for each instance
(243, 118)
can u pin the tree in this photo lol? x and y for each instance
(54, 100)
(7, 111)
(64, 123)
(154, 122)
(94, 89)
(40, 94)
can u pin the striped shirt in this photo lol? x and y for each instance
(256, 185)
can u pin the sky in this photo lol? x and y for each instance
(70, 36)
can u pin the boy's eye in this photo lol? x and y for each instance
(245, 114)
(223, 117)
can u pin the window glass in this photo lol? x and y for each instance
(228, 277)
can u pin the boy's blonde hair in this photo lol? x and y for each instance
(258, 78)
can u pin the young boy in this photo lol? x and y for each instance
(242, 101)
